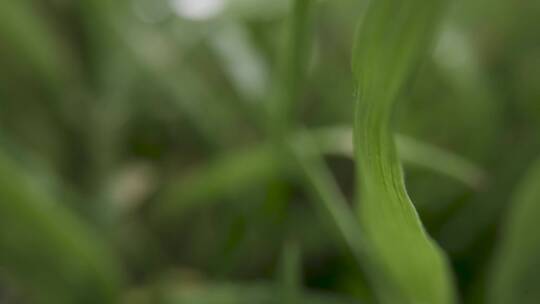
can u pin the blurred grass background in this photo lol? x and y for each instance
(143, 159)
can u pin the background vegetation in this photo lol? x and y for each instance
(201, 151)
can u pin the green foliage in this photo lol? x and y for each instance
(47, 251)
(222, 151)
(407, 266)
(514, 277)
(224, 294)
(31, 45)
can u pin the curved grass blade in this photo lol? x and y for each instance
(515, 277)
(390, 43)
(46, 250)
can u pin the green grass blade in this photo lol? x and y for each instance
(294, 65)
(47, 251)
(393, 38)
(211, 118)
(421, 154)
(225, 176)
(322, 184)
(516, 277)
(290, 278)
(245, 67)
(26, 35)
(411, 151)
(224, 293)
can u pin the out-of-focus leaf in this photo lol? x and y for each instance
(245, 67)
(224, 176)
(319, 180)
(229, 293)
(392, 40)
(481, 105)
(293, 69)
(100, 35)
(412, 152)
(515, 277)
(325, 188)
(49, 253)
(243, 169)
(256, 9)
(290, 278)
(28, 37)
(165, 65)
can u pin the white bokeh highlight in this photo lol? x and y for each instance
(197, 9)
